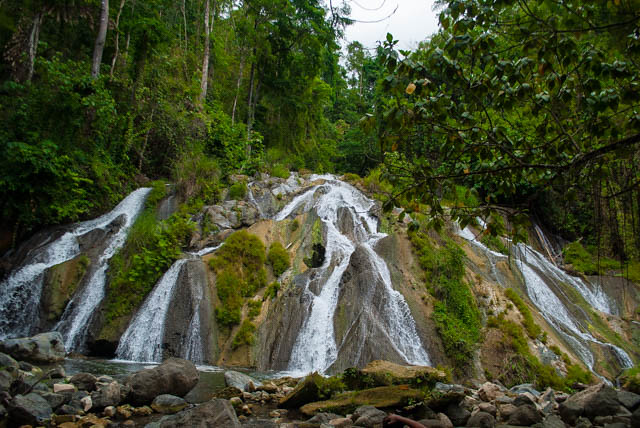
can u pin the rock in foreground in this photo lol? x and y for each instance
(174, 376)
(43, 348)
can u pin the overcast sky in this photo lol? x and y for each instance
(413, 21)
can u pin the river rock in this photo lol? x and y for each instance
(168, 404)
(6, 379)
(84, 381)
(489, 391)
(30, 409)
(107, 394)
(307, 391)
(54, 400)
(62, 387)
(525, 415)
(43, 348)
(525, 387)
(241, 381)
(629, 400)
(174, 376)
(323, 418)
(8, 363)
(216, 413)
(368, 416)
(481, 420)
(457, 414)
(597, 400)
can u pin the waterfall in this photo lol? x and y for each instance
(142, 341)
(539, 273)
(20, 293)
(315, 346)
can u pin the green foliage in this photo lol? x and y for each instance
(279, 170)
(278, 258)
(329, 386)
(272, 290)
(245, 335)
(587, 263)
(197, 177)
(239, 267)
(533, 329)
(158, 192)
(238, 191)
(255, 306)
(455, 314)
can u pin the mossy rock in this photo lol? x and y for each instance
(61, 282)
(630, 380)
(381, 397)
(307, 391)
(386, 373)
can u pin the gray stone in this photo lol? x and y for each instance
(323, 418)
(174, 376)
(30, 409)
(368, 416)
(524, 399)
(457, 414)
(525, 415)
(583, 422)
(552, 421)
(168, 404)
(6, 379)
(106, 395)
(488, 408)
(525, 387)
(84, 381)
(54, 400)
(481, 420)
(629, 400)
(570, 411)
(216, 413)
(260, 423)
(241, 381)
(9, 363)
(43, 348)
(490, 391)
(635, 418)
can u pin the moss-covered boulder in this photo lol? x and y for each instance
(61, 282)
(382, 397)
(307, 391)
(385, 373)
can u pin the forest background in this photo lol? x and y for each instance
(516, 110)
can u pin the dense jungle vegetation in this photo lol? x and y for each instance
(525, 108)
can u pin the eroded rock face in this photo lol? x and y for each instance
(43, 348)
(174, 376)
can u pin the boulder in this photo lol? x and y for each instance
(552, 421)
(43, 348)
(307, 391)
(525, 416)
(629, 400)
(481, 420)
(216, 413)
(323, 418)
(174, 376)
(524, 399)
(489, 391)
(597, 400)
(62, 387)
(635, 418)
(444, 394)
(384, 373)
(107, 394)
(570, 411)
(241, 381)
(457, 414)
(84, 381)
(54, 400)
(381, 397)
(368, 416)
(30, 409)
(168, 404)
(525, 387)
(6, 379)
(8, 363)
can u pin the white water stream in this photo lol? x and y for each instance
(540, 275)
(20, 293)
(315, 348)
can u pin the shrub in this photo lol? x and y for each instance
(278, 258)
(255, 306)
(279, 170)
(244, 336)
(238, 191)
(272, 290)
(533, 329)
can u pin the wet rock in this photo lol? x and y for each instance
(30, 409)
(481, 420)
(142, 411)
(457, 414)
(629, 400)
(525, 415)
(214, 414)
(173, 376)
(84, 381)
(368, 416)
(382, 397)
(341, 423)
(57, 372)
(43, 348)
(323, 418)
(107, 394)
(54, 400)
(489, 391)
(228, 393)
(168, 404)
(70, 409)
(125, 411)
(307, 391)
(241, 381)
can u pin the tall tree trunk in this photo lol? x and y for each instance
(238, 83)
(100, 40)
(205, 61)
(250, 98)
(184, 19)
(117, 52)
(34, 37)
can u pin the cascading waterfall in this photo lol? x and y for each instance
(142, 341)
(315, 347)
(20, 293)
(537, 272)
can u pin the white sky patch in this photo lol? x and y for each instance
(413, 22)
